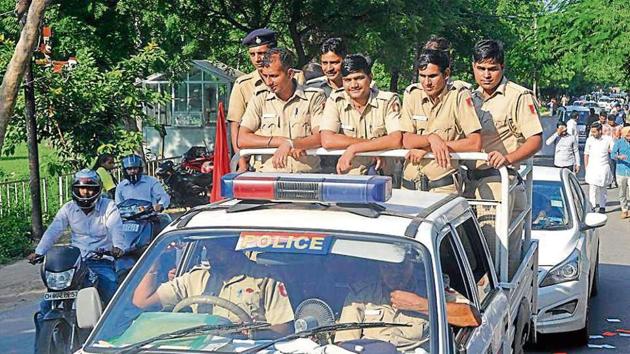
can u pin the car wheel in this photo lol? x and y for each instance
(580, 337)
(522, 330)
(595, 285)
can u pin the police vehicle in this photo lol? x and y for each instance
(321, 264)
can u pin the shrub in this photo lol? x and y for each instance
(15, 231)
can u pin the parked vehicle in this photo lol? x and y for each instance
(564, 114)
(64, 272)
(198, 159)
(324, 237)
(187, 188)
(141, 223)
(566, 230)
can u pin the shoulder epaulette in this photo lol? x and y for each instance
(313, 89)
(244, 78)
(461, 85)
(518, 88)
(385, 95)
(413, 87)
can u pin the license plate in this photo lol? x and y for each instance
(131, 227)
(61, 295)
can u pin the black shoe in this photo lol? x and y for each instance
(602, 210)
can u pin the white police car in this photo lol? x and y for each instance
(314, 264)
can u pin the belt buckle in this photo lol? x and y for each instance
(424, 183)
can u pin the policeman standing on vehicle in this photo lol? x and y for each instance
(137, 185)
(286, 117)
(331, 54)
(360, 118)
(437, 117)
(510, 133)
(258, 42)
(95, 225)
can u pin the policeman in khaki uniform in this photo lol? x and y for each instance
(439, 117)
(331, 54)
(387, 302)
(258, 41)
(230, 276)
(360, 118)
(285, 117)
(510, 132)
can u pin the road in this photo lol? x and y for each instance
(21, 288)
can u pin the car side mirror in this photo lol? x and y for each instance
(593, 221)
(89, 307)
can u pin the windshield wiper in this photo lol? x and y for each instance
(321, 329)
(196, 330)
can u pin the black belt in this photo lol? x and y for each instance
(491, 172)
(424, 184)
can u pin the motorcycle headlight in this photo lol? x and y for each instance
(59, 281)
(567, 270)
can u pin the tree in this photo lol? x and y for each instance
(21, 57)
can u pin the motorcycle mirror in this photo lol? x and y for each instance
(89, 307)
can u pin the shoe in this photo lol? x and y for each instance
(602, 210)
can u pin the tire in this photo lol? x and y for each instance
(595, 285)
(580, 337)
(54, 337)
(521, 331)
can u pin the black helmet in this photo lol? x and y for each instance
(131, 161)
(86, 178)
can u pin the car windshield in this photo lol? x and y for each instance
(582, 118)
(209, 286)
(549, 207)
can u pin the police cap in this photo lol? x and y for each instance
(260, 36)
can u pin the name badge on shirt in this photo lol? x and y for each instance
(269, 115)
(420, 118)
(372, 312)
(347, 127)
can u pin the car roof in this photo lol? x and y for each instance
(544, 173)
(398, 213)
(577, 108)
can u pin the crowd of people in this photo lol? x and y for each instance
(606, 154)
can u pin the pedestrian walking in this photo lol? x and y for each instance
(567, 153)
(597, 168)
(621, 154)
(571, 125)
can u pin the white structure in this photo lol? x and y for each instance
(190, 117)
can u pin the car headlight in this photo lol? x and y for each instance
(59, 281)
(567, 270)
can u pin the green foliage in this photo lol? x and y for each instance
(128, 142)
(14, 237)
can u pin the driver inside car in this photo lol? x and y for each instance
(400, 297)
(231, 276)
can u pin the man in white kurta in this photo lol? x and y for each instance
(598, 173)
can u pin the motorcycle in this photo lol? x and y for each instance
(64, 272)
(186, 188)
(198, 159)
(141, 224)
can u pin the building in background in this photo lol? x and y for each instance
(189, 118)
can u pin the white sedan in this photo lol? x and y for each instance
(569, 251)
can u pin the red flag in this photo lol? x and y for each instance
(221, 155)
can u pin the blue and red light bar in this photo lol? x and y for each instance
(307, 187)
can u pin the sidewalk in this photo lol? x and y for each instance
(21, 284)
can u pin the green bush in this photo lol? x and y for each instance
(15, 231)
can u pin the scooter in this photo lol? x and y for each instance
(185, 188)
(141, 224)
(64, 272)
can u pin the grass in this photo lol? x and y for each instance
(15, 167)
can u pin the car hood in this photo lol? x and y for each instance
(554, 246)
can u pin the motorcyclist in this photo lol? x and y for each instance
(95, 225)
(136, 185)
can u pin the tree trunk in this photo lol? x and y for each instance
(15, 70)
(393, 82)
(295, 33)
(37, 227)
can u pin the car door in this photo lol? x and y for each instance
(581, 207)
(460, 248)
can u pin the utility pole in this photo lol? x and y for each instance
(33, 153)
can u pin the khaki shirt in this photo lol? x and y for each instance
(267, 115)
(243, 90)
(263, 298)
(452, 116)
(380, 117)
(372, 303)
(508, 117)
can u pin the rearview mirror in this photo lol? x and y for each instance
(89, 307)
(594, 220)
